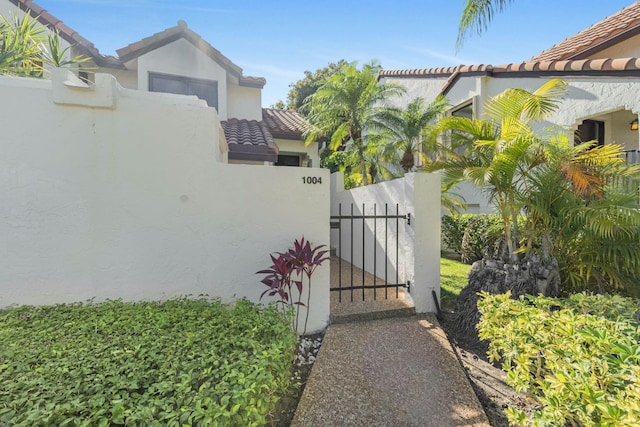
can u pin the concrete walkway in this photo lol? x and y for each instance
(388, 372)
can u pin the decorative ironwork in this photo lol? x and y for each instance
(351, 219)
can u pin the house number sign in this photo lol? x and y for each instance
(311, 180)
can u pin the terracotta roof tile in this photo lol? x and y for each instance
(252, 81)
(612, 65)
(82, 45)
(606, 66)
(615, 28)
(249, 140)
(285, 124)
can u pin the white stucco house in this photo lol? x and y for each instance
(178, 60)
(601, 65)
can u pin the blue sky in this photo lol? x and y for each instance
(279, 40)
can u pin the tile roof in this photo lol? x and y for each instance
(434, 72)
(133, 50)
(82, 45)
(604, 67)
(249, 140)
(611, 30)
(147, 44)
(286, 124)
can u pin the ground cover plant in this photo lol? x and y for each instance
(173, 363)
(578, 357)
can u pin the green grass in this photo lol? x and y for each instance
(173, 363)
(453, 277)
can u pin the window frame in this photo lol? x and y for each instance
(188, 82)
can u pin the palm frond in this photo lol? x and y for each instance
(476, 16)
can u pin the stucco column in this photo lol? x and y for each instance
(422, 193)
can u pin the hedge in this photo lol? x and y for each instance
(173, 363)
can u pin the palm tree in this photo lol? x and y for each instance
(409, 128)
(476, 16)
(21, 45)
(572, 197)
(583, 214)
(581, 222)
(348, 105)
(25, 48)
(495, 154)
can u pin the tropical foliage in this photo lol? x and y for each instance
(410, 132)
(288, 272)
(307, 86)
(351, 108)
(579, 357)
(472, 236)
(580, 203)
(26, 49)
(476, 16)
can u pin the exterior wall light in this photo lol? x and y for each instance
(634, 125)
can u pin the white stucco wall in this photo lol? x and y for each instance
(119, 194)
(126, 78)
(181, 58)
(629, 48)
(417, 194)
(426, 88)
(243, 102)
(8, 10)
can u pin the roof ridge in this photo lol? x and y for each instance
(596, 35)
(182, 30)
(573, 65)
(67, 33)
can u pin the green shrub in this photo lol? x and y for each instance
(579, 357)
(174, 363)
(480, 237)
(453, 227)
(472, 236)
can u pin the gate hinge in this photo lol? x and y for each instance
(409, 286)
(408, 218)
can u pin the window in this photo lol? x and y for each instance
(288, 160)
(463, 111)
(203, 89)
(590, 130)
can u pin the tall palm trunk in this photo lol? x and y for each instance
(407, 161)
(363, 166)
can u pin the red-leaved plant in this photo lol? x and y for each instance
(288, 270)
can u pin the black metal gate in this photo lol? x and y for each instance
(358, 222)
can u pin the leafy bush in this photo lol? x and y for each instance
(174, 363)
(480, 237)
(472, 236)
(288, 269)
(453, 227)
(579, 357)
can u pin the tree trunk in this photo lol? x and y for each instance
(532, 275)
(373, 172)
(363, 166)
(407, 161)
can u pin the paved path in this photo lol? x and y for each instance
(391, 372)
